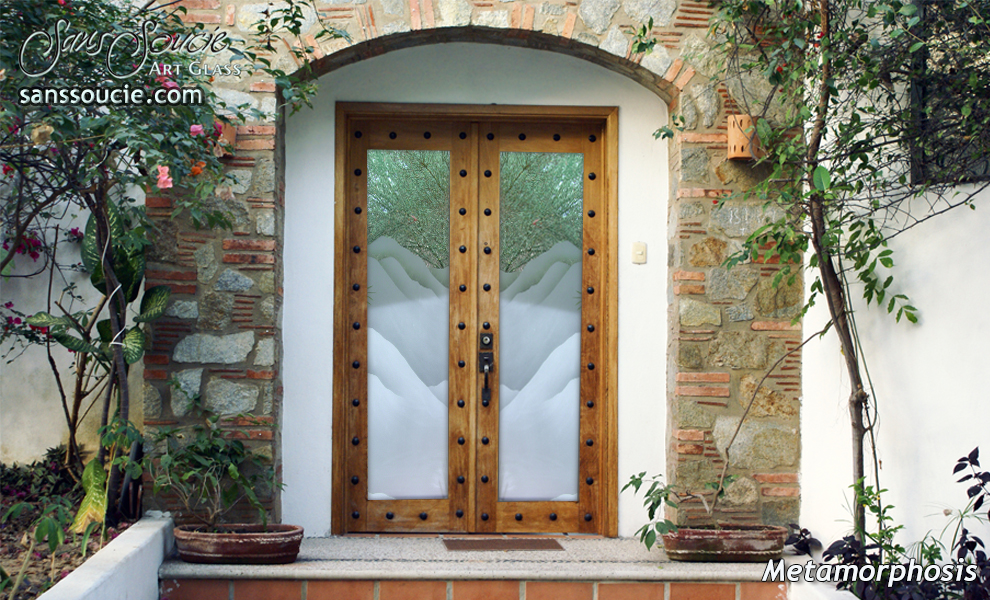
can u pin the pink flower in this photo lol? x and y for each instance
(170, 85)
(164, 181)
(217, 128)
(195, 130)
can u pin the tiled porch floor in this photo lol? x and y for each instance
(385, 567)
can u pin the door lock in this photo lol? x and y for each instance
(487, 339)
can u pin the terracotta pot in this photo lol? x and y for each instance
(243, 544)
(731, 543)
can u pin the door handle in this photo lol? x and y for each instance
(486, 362)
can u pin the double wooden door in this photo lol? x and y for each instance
(474, 329)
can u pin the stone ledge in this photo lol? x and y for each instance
(358, 558)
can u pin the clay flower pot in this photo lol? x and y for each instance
(242, 544)
(731, 543)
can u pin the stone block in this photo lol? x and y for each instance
(264, 176)
(743, 350)
(240, 180)
(641, 11)
(232, 281)
(224, 397)
(152, 402)
(264, 356)
(709, 252)
(692, 414)
(597, 14)
(615, 42)
(695, 314)
(189, 382)
(492, 18)
(781, 302)
(183, 309)
(780, 512)
(658, 60)
(267, 308)
(454, 13)
(740, 220)
(741, 492)
(206, 262)
(760, 445)
(215, 311)
(264, 222)
(769, 402)
(706, 99)
(731, 284)
(220, 349)
(694, 164)
(690, 356)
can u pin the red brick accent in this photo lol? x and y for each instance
(156, 359)
(684, 78)
(250, 434)
(338, 590)
(155, 374)
(674, 69)
(428, 14)
(776, 477)
(257, 245)
(705, 138)
(689, 435)
(702, 591)
(259, 86)
(198, 4)
(704, 377)
(176, 288)
(713, 391)
(689, 449)
(193, 589)
(229, 17)
(414, 21)
(260, 374)
(270, 589)
(701, 193)
(411, 590)
(762, 591)
(568, 30)
(681, 290)
(171, 275)
(688, 276)
(200, 18)
(559, 590)
(486, 590)
(528, 13)
(258, 129)
(773, 326)
(781, 491)
(261, 144)
(249, 259)
(241, 421)
(157, 202)
(630, 591)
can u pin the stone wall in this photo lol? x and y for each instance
(220, 337)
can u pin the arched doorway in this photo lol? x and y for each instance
(473, 74)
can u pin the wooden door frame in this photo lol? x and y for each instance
(606, 392)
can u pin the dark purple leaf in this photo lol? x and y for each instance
(974, 456)
(959, 466)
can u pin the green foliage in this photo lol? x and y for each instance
(93, 508)
(656, 497)
(209, 472)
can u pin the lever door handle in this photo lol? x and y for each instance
(486, 362)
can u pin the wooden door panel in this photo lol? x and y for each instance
(472, 502)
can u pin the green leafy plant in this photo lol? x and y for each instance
(210, 473)
(660, 495)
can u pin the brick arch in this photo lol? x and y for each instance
(661, 84)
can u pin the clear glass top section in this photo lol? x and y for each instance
(408, 307)
(541, 205)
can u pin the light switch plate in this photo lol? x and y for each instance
(639, 253)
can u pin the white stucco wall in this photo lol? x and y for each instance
(468, 74)
(930, 383)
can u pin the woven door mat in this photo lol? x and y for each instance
(502, 544)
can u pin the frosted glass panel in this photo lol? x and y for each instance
(540, 325)
(408, 281)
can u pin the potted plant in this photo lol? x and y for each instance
(713, 543)
(210, 474)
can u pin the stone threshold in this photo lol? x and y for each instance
(584, 558)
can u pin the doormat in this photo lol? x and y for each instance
(502, 544)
